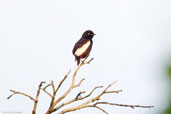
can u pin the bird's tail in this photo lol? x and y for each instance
(78, 60)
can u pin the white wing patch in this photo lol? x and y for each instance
(82, 49)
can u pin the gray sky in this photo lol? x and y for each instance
(132, 46)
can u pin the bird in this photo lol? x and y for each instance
(83, 46)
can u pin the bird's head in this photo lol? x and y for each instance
(88, 34)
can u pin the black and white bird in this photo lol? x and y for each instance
(83, 46)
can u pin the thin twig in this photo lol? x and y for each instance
(116, 91)
(53, 86)
(123, 105)
(79, 83)
(51, 107)
(47, 86)
(101, 109)
(92, 92)
(72, 86)
(46, 92)
(77, 98)
(62, 81)
(85, 104)
(91, 102)
(24, 94)
(37, 97)
(88, 62)
(79, 94)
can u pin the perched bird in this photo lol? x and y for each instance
(83, 46)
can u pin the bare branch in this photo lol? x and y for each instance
(37, 97)
(109, 86)
(85, 104)
(91, 92)
(88, 62)
(72, 109)
(51, 107)
(77, 98)
(79, 94)
(98, 96)
(53, 86)
(46, 92)
(123, 105)
(72, 86)
(24, 94)
(79, 83)
(117, 91)
(47, 86)
(101, 109)
(62, 81)
(91, 102)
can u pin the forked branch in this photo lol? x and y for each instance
(35, 100)
(86, 99)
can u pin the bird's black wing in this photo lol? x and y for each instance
(78, 44)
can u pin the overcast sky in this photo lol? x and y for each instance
(132, 46)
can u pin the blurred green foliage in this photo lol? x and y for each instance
(168, 109)
(169, 71)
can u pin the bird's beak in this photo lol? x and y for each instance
(93, 34)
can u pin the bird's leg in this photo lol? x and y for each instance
(85, 57)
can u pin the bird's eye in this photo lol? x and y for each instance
(88, 33)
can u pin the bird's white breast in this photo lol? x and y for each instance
(82, 49)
